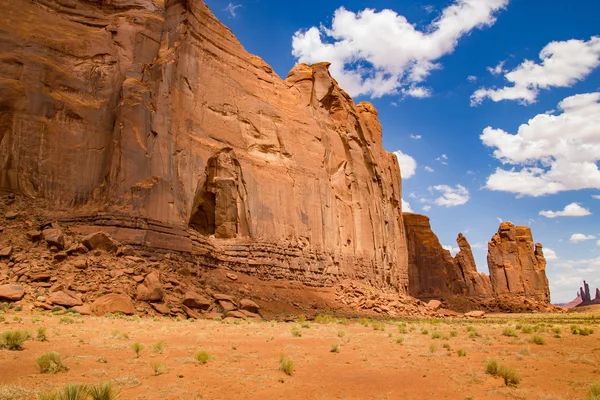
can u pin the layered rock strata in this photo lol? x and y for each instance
(150, 118)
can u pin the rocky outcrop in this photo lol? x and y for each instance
(517, 266)
(150, 120)
(431, 270)
(476, 284)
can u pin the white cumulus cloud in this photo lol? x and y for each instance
(550, 153)
(498, 69)
(571, 210)
(426, 208)
(472, 78)
(406, 207)
(380, 52)
(597, 197)
(452, 250)
(415, 137)
(550, 254)
(408, 165)
(580, 237)
(562, 65)
(428, 168)
(451, 196)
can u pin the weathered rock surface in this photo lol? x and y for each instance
(100, 241)
(431, 268)
(152, 111)
(113, 303)
(476, 284)
(517, 265)
(11, 292)
(65, 298)
(151, 289)
(194, 300)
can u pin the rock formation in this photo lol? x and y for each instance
(477, 284)
(150, 120)
(517, 266)
(431, 269)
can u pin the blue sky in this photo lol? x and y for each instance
(454, 81)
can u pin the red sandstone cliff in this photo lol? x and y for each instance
(517, 266)
(151, 119)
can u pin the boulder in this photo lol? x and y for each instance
(231, 276)
(81, 263)
(161, 308)
(66, 298)
(6, 252)
(236, 314)
(151, 289)
(191, 313)
(227, 305)
(34, 236)
(194, 300)
(77, 248)
(100, 241)
(83, 310)
(11, 292)
(249, 305)
(126, 251)
(113, 303)
(434, 305)
(11, 215)
(54, 237)
(475, 314)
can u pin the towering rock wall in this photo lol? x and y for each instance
(431, 269)
(476, 284)
(517, 266)
(150, 118)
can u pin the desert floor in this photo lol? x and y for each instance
(394, 359)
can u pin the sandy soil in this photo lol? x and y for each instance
(370, 364)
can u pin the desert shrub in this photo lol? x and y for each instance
(509, 332)
(68, 392)
(14, 340)
(203, 357)
(103, 391)
(510, 376)
(526, 329)
(402, 328)
(120, 335)
(341, 333)
(325, 319)
(66, 320)
(50, 363)
(594, 392)
(296, 331)
(378, 326)
(41, 334)
(474, 334)
(424, 331)
(137, 348)
(286, 365)
(453, 333)
(335, 348)
(492, 368)
(35, 318)
(446, 346)
(399, 340)
(436, 335)
(461, 353)
(432, 348)
(158, 347)
(364, 322)
(538, 340)
(157, 367)
(12, 392)
(556, 330)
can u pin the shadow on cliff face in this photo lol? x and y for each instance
(220, 201)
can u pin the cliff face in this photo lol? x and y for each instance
(517, 266)
(431, 269)
(151, 119)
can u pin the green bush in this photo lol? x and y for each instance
(14, 340)
(510, 376)
(41, 334)
(137, 348)
(203, 357)
(538, 340)
(594, 392)
(103, 391)
(335, 348)
(461, 353)
(492, 368)
(296, 331)
(509, 332)
(526, 329)
(50, 363)
(399, 340)
(158, 347)
(286, 365)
